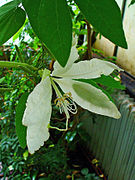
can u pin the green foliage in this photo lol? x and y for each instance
(84, 171)
(11, 154)
(87, 175)
(105, 16)
(109, 82)
(132, 2)
(6, 8)
(52, 24)
(12, 159)
(51, 21)
(20, 129)
(11, 20)
(51, 159)
(21, 59)
(2, 79)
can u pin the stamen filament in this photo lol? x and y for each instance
(61, 105)
(65, 103)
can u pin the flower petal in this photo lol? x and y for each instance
(89, 97)
(89, 69)
(58, 69)
(37, 115)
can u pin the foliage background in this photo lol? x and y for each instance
(51, 160)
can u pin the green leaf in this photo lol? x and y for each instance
(52, 23)
(18, 32)
(20, 129)
(18, 1)
(85, 171)
(110, 82)
(105, 16)
(10, 22)
(132, 2)
(70, 136)
(2, 79)
(8, 7)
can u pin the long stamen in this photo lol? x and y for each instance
(65, 103)
(71, 106)
(61, 105)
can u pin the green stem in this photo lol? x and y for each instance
(55, 88)
(7, 64)
(6, 89)
(19, 54)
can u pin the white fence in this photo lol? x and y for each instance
(113, 141)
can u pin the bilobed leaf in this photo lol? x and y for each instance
(10, 23)
(52, 23)
(20, 128)
(110, 82)
(105, 16)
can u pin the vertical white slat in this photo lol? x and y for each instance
(132, 177)
(127, 145)
(94, 131)
(131, 164)
(112, 138)
(86, 118)
(104, 142)
(101, 137)
(113, 141)
(131, 145)
(121, 144)
(94, 139)
(114, 164)
(97, 134)
(100, 127)
(97, 129)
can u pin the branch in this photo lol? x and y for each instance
(6, 64)
(89, 40)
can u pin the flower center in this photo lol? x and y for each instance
(66, 101)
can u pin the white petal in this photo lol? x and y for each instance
(89, 69)
(59, 70)
(89, 97)
(37, 115)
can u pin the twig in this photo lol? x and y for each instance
(89, 40)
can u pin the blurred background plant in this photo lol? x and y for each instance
(55, 160)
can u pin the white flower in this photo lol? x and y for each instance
(38, 108)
